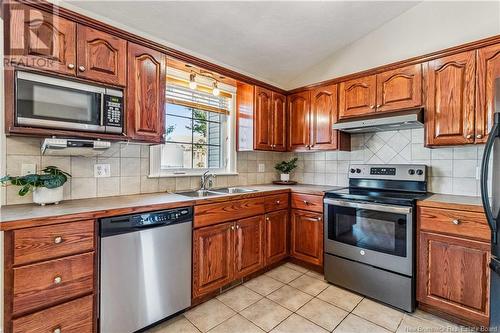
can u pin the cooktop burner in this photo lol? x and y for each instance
(377, 195)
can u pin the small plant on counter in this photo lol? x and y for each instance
(46, 186)
(285, 168)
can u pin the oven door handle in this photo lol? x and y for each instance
(370, 206)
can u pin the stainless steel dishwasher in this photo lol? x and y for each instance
(145, 268)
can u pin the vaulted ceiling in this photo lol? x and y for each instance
(272, 41)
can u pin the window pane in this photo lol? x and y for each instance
(200, 156)
(178, 129)
(200, 114)
(200, 131)
(214, 133)
(218, 117)
(178, 110)
(214, 157)
(176, 156)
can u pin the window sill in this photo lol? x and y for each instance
(191, 175)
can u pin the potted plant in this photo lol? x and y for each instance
(285, 168)
(46, 186)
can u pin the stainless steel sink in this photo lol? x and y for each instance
(233, 190)
(199, 193)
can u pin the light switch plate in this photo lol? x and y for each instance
(27, 169)
(102, 170)
(262, 167)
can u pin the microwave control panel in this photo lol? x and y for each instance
(113, 111)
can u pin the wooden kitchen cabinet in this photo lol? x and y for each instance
(453, 276)
(307, 236)
(450, 100)
(248, 245)
(399, 89)
(270, 120)
(213, 258)
(279, 122)
(324, 114)
(357, 97)
(299, 119)
(101, 56)
(145, 94)
(276, 236)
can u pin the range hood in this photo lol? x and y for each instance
(393, 121)
(74, 147)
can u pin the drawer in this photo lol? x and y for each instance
(52, 282)
(454, 222)
(52, 241)
(75, 316)
(231, 210)
(276, 202)
(310, 202)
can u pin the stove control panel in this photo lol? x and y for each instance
(414, 172)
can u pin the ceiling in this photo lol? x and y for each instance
(272, 41)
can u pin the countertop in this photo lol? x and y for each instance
(460, 202)
(25, 215)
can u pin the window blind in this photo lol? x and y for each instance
(197, 99)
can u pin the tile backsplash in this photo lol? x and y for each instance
(452, 170)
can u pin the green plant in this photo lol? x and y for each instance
(50, 177)
(286, 167)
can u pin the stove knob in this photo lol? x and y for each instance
(420, 172)
(358, 170)
(353, 171)
(411, 172)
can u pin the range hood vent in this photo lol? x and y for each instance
(74, 147)
(399, 120)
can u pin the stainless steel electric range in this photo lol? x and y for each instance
(370, 232)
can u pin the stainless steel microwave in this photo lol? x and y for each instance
(49, 102)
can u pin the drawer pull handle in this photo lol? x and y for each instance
(277, 202)
(57, 330)
(479, 136)
(456, 222)
(71, 66)
(58, 240)
(319, 219)
(57, 280)
(267, 219)
(306, 202)
(81, 68)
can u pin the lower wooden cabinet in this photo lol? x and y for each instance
(276, 236)
(307, 236)
(454, 276)
(248, 245)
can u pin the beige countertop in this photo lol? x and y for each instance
(16, 216)
(461, 202)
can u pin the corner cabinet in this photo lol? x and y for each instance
(146, 94)
(298, 106)
(270, 120)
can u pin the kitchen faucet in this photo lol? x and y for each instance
(207, 180)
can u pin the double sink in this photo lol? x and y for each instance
(219, 191)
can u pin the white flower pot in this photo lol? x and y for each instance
(43, 195)
(285, 177)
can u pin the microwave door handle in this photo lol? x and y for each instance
(102, 109)
(375, 207)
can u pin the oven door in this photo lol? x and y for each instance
(45, 101)
(375, 234)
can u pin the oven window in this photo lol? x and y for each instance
(368, 229)
(37, 100)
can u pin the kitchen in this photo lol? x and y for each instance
(151, 188)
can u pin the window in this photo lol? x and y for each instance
(199, 134)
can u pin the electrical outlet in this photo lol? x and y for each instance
(27, 169)
(102, 170)
(262, 167)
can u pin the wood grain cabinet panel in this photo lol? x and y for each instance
(307, 202)
(323, 115)
(74, 317)
(307, 236)
(279, 121)
(450, 99)
(232, 210)
(276, 236)
(42, 40)
(145, 94)
(276, 202)
(453, 276)
(298, 106)
(213, 258)
(48, 242)
(399, 89)
(357, 97)
(101, 56)
(52, 282)
(488, 70)
(248, 245)
(263, 117)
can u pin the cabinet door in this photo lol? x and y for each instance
(101, 56)
(263, 119)
(276, 236)
(450, 100)
(279, 122)
(323, 115)
(357, 97)
(454, 276)
(299, 121)
(145, 94)
(42, 40)
(488, 69)
(213, 258)
(399, 89)
(248, 245)
(307, 236)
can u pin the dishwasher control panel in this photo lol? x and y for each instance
(163, 217)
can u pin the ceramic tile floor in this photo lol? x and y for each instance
(291, 299)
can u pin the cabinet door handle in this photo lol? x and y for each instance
(378, 105)
(57, 280)
(57, 330)
(81, 68)
(469, 136)
(456, 222)
(58, 240)
(277, 202)
(372, 106)
(318, 219)
(232, 227)
(237, 226)
(71, 66)
(479, 136)
(267, 219)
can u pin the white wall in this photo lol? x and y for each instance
(427, 27)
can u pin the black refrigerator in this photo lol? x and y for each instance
(490, 194)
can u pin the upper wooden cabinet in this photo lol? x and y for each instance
(323, 115)
(299, 119)
(270, 120)
(42, 40)
(488, 69)
(358, 97)
(279, 122)
(450, 99)
(145, 94)
(399, 89)
(101, 56)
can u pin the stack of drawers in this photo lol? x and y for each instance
(49, 278)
